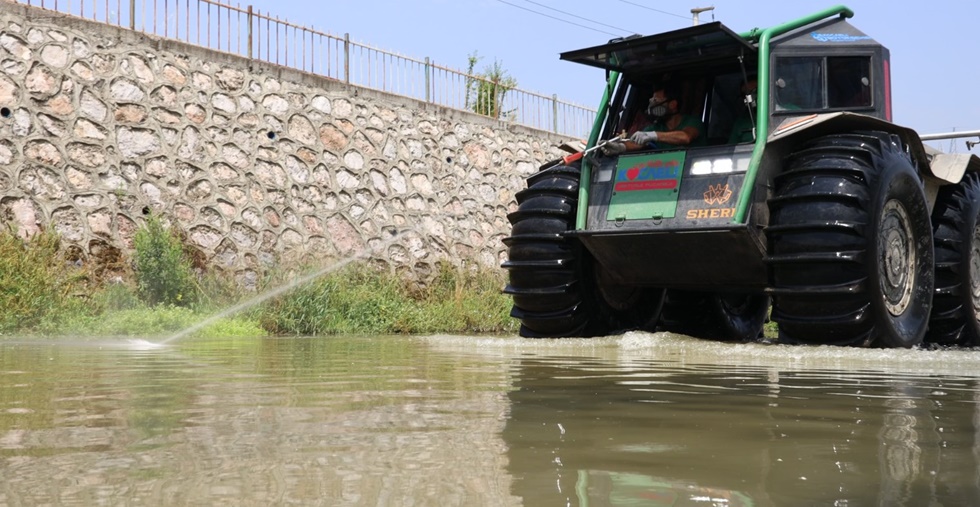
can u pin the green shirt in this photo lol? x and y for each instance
(741, 130)
(686, 121)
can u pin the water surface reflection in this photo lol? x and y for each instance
(739, 425)
(641, 419)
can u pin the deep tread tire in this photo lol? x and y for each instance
(851, 255)
(545, 271)
(557, 287)
(955, 318)
(725, 317)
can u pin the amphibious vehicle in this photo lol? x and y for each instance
(825, 216)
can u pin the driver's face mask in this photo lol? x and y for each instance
(657, 109)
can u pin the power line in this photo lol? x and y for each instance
(559, 19)
(578, 17)
(654, 10)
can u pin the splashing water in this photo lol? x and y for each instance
(140, 344)
(283, 289)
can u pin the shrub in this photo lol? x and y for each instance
(163, 272)
(362, 299)
(36, 281)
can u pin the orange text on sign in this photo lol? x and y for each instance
(693, 214)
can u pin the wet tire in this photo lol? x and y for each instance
(955, 318)
(557, 287)
(725, 317)
(627, 307)
(850, 242)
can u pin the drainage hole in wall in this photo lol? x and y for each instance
(5, 112)
(449, 160)
(270, 134)
(146, 210)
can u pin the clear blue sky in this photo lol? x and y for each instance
(935, 48)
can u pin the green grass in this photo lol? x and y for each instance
(361, 299)
(42, 294)
(36, 282)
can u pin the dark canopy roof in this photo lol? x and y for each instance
(707, 44)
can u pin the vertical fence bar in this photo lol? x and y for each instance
(554, 113)
(132, 15)
(347, 58)
(249, 31)
(428, 80)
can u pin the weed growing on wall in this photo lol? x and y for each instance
(36, 281)
(163, 272)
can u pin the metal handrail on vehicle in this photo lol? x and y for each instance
(762, 121)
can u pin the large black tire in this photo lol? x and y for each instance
(955, 316)
(725, 317)
(557, 287)
(850, 242)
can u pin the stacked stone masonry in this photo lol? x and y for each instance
(258, 165)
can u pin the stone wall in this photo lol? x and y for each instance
(258, 165)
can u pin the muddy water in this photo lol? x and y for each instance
(640, 419)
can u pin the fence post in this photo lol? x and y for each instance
(347, 58)
(132, 15)
(428, 80)
(554, 112)
(249, 16)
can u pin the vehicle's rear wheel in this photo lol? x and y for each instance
(558, 288)
(955, 316)
(851, 255)
(715, 316)
(627, 306)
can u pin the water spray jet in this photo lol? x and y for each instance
(365, 252)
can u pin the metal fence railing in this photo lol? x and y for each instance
(243, 31)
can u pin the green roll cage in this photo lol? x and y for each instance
(761, 37)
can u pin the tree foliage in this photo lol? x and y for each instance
(485, 91)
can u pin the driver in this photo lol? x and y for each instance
(668, 126)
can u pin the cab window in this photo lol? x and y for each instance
(848, 81)
(833, 82)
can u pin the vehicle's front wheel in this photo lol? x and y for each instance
(851, 254)
(955, 316)
(558, 288)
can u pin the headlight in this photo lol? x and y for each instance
(716, 166)
(720, 166)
